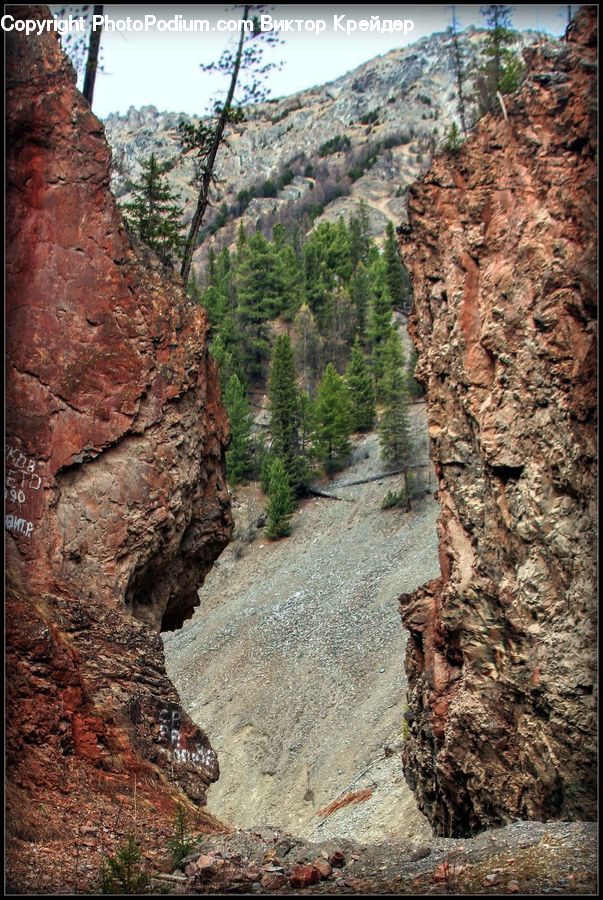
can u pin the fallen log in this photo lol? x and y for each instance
(316, 493)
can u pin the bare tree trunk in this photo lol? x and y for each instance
(206, 180)
(92, 61)
(458, 65)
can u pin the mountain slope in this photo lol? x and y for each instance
(295, 661)
(388, 115)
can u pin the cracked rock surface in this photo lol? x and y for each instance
(116, 504)
(501, 660)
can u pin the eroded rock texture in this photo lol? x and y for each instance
(501, 660)
(116, 499)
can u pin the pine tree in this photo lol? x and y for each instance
(396, 276)
(153, 213)
(415, 388)
(258, 300)
(307, 347)
(361, 294)
(281, 501)
(394, 426)
(503, 70)
(360, 241)
(332, 419)
(459, 71)
(362, 392)
(453, 139)
(239, 454)
(380, 321)
(338, 327)
(225, 349)
(283, 396)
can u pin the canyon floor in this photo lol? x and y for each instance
(294, 661)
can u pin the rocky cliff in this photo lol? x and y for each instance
(321, 150)
(501, 662)
(116, 503)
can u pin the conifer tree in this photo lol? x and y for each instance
(283, 396)
(361, 294)
(359, 380)
(459, 71)
(239, 453)
(281, 501)
(380, 322)
(338, 327)
(153, 213)
(360, 235)
(394, 426)
(307, 347)
(503, 70)
(397, 278)
(258, 298)
(415, 388)
(332, 419)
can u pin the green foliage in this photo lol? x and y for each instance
(239, 453)
(283, 396)
(394, 426)
(182, 843)
(281, 501)
(380, 321)
(334, 145)
(396, 276)
(453, 139)
(360, 241)
(362, 297)
(333, 421)
(370, 117)
(361, 389)
(124, 872)
(269, 189)
(307, 347)
(503, 71)
(153, 213)
(415, 389)
(394, 499)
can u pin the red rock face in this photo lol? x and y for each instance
(116, 503)
(501, 659)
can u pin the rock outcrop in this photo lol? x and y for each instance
(388, 113)
(501, 661)
(116, 503)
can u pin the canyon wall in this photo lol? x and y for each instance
(116, 502)
(501, 660)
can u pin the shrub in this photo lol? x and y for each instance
(269, 189)
(370, 118)
(335, 145)
(394, 499)
(182, 843)
(123, 872)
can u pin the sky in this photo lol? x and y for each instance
(162, 68)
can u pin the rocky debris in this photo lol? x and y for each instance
(282, 662)
(501, 660)
(526, 857)
(116, 503)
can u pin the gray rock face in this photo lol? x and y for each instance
(394, 109)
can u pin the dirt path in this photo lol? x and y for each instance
(294, 662)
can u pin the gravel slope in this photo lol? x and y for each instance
(294, 662)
